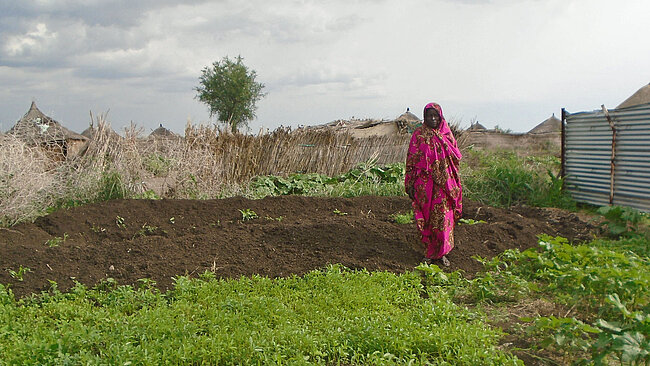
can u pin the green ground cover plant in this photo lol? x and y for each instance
(327, 317)
(621, 221)
(365, 179)
(603, 284)
(498, 179)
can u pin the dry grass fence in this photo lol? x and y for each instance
(283, 152)
(26, 180)
(202, 165)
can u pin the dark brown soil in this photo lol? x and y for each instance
(163, 239)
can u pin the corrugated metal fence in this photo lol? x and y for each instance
(606, 156)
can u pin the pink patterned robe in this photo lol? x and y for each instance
(432, 170)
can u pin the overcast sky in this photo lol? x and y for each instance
(510, 63)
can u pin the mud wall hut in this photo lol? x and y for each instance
(37, 129)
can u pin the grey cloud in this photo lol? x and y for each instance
(103, 13)
(289, 27)
(313, 77)
(353, 83)
(111, 41)
(51, 43)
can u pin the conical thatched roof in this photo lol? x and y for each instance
(642, 96)
(477, 127)
(92, 131)
(407, 117)
(552, 124)
(38, 128)
(89, 132)
(162, 132)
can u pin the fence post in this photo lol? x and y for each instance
(612, 162)
(563, 143)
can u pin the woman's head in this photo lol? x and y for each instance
(432, 115)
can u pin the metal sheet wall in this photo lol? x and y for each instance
(588, 152)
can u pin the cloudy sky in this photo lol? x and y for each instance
(510, 63)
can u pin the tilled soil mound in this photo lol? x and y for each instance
(132, 239)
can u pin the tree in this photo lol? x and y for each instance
(230, 91)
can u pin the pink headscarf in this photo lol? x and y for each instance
(446, 138)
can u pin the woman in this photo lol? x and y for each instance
(433, 183)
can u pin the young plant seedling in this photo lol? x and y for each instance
(400, 218)
(278, 219)
(119, 221)
(56, 241)
(340, 213)
(98, 229)
(248, 214)
(19, 274)
(471, 221)
(146, 230)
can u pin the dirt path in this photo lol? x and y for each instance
(132, 239)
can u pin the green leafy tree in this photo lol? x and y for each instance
(229, 89)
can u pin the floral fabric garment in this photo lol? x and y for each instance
(432, 171)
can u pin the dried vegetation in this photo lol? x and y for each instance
(207, 163)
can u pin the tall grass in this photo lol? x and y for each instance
(504, 179)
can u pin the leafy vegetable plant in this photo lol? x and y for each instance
(56, 241)
(248, 214)
(400, 218)
(20, 273)
(471, 221)
(339, 212)
(621, 220)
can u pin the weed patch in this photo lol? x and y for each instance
(326, 317)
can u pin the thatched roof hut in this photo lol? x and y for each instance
(162, 132)
(407, 122)
(642, 96)
(92, 132)
(36, 128)
(477, 127)
(408, 117)
(551, 124)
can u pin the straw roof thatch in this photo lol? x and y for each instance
(477, 127)
(162, 132)
(36, 127)
(642, 96)
(407, 122)
(551, 124)
(407, 117)
(92, 131)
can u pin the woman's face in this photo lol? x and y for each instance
(431, 118)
